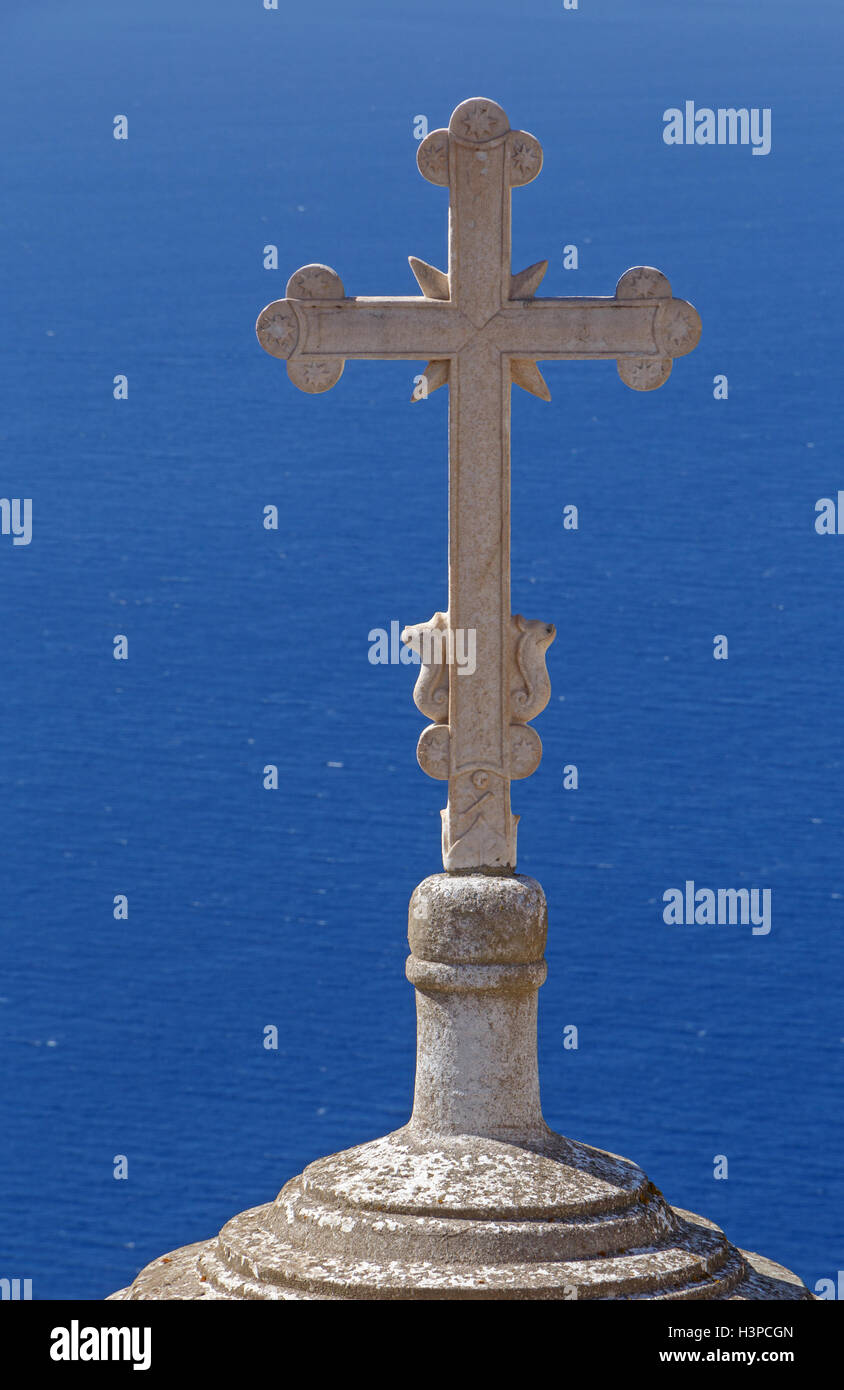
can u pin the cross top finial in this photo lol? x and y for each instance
(479, 122)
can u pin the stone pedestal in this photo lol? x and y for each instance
(475, 1198)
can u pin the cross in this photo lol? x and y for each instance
(481, 328)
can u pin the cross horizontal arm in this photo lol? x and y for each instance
(573, 329)
(409, 328)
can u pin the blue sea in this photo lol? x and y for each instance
(248, 908)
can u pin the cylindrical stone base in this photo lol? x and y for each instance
(476, 960)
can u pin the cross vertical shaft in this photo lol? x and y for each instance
(476, 154)
(478, 826)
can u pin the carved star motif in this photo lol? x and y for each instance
(682, 329)
(479, 123)
(277, 334)
(317, 283)
(644, 370)
(313, 373)
(524, 158)
(438, 151)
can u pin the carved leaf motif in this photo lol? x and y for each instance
(432, 282)
(530, 687)
(525, 373)
(436, 375)
(428, 640)
(525, 284)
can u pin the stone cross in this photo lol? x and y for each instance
(475, 1197)
(481, 328)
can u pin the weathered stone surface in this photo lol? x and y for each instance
(412, 1216)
